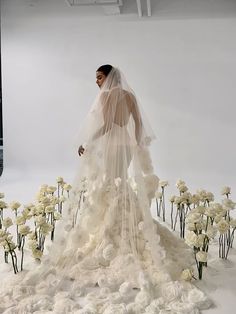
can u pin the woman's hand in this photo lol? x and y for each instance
(80, 150)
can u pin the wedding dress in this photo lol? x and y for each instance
(109, 255)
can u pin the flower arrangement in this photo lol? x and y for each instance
(42, 214)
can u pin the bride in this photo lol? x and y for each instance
(110, 256)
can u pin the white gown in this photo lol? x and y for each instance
(115, 258)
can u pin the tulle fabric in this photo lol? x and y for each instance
(109, 256)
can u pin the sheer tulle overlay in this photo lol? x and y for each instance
(109, 255)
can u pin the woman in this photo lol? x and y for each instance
(111, 257)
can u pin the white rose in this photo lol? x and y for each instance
(40, 220)
(7, 222)
(102, 281)
(183, 188)
(187, 274)
(200, 209)
(57, 216)
(211, 232)
(43, 188)
(60, 180)
(191, 238)
(225, 190)
(172, 198)
(67, 187)
(3, 204)
(201, 256)
(109, 252)
(223, 226)
(10, 246)
(163, 184)
(32, 244)
(45, 228)
(195, 199)
(143, 298)
(145, 160)
(210, 212)
(179, 183)
(125, 288)
(171, 291)
(14, 205)
(24, 230)
(2, 195)
(197, 297)
(37, 253)
(229, 204)
(49, 209)
(20, 220)
(210, 196)
(115, 309)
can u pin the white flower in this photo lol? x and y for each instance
(2, 195)
(172, 198)
(218, 208)
(158, 194)
(62, 199)
(141, 225)
(45, 228)
(151, 182)
(49, 209)
(43, 188)
(10, 246)
(3, 204)
(32, 236)
(210, 212)
(163, 184)
(193, 217)
(223, 226)
(51, 189)
(229, 204)
(183, 188)
(145, 160)
(24, 230)
(102, 281)
(7, 222)
(125, 288)
(197, 297)
(210, 196)
(32, 244)
(179, 183)
(202, 194)
(191, 239)
(200, 209)
(187, 274)
(171, 291)
(201, 256)
(14, 205)
(109, 252)
(178, 200)
(60, 180)
(57, 216)
(20, 220)
(195, 199)
(37, 253)
(211, 232)
(67, 187)
(40, 220)
(143, 298)
(115, 309)
(225, 190)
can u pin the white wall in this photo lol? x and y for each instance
(183, 71)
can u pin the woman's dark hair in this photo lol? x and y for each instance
(105, 69)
